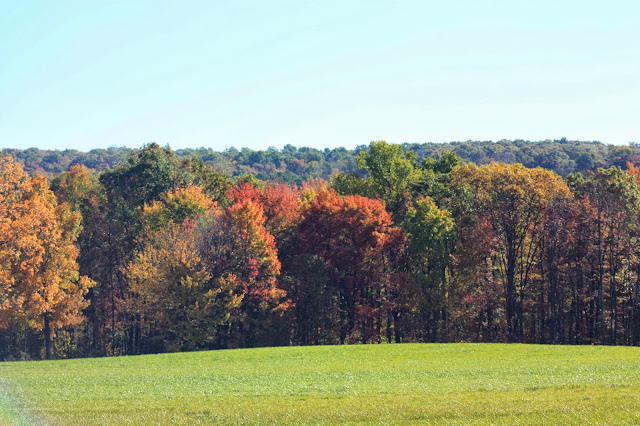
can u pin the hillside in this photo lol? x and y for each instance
(456, 383)
(295, 165)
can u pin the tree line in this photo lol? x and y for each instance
(295, 165)
(163, 252)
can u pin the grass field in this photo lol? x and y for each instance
(444, 383)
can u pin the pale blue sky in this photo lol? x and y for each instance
(91, 74)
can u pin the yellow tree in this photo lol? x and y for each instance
(202, 275)
(74, 186)
(177, 300)
(40, 286)
(514, 201)
(176, 206)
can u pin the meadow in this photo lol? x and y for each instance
(435, 383)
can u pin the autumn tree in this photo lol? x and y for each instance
(178, 302)
(356, 242)
(254, 261)
(39, 283)
(73, 187)
(206, 280)
(476, 308)
(144, 178)
(614, 199)
(176, 206)
(513, 200)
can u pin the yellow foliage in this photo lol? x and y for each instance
(178, 205)
(38, 269)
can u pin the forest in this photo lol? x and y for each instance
(294, 165)
(154, 250)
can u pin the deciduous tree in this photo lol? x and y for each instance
(39, 283)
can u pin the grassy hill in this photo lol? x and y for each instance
(451, 383)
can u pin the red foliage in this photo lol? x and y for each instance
(354, 235)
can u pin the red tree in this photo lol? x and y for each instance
(354, 239)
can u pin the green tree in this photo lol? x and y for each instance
(391, 171)
(430, 232)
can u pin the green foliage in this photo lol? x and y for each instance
(295, 165)
(430, 234)
(144, 177)
(215, 184)
(446, 164)
(251, 180)
(429, 229)
(391, 171)
(352, 184)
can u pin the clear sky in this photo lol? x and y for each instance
(92, 74)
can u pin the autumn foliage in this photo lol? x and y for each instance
(40, 287)
(160, 254)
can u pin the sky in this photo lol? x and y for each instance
(220, 74)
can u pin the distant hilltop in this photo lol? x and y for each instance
(295, 165)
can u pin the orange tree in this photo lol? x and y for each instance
(352, 243)
(39, 283)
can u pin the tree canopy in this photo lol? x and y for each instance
(162, 252)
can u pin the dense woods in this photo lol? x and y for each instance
(297, 165)
(141, 251)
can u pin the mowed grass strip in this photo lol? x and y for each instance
(445, 383)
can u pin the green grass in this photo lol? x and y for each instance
(438, 383)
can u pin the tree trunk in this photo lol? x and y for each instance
(600, 279)
(47, 336)
(511, 291)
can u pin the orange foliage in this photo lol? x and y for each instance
(280, 205)
(259, 248)
(634, 172)
(39, 283)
